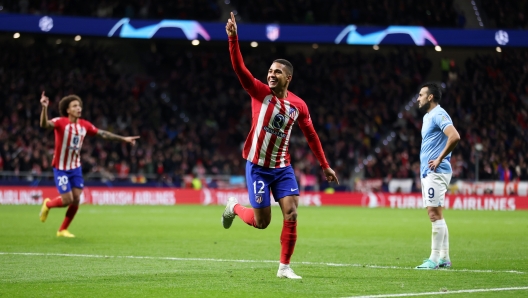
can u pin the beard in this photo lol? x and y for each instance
(425, 107)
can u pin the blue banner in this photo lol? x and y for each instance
(190, 30)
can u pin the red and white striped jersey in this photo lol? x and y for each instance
(68, 142)
(272, 120)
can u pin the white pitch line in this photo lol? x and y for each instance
(247, 261)
(443, 293)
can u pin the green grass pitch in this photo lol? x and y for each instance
(183, 251)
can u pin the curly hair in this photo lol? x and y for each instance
(64, 103)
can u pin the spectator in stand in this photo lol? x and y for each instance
(489, 104)
(204, 10)
(409, 12)
(488, 101)
(507, 14)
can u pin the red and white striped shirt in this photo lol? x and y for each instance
(273, 118)
(68, 141)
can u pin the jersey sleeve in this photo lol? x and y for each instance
(91, 130)
(306, 125)
(57, 122)
(254, 87)
(442, 120)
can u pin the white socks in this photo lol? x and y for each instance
(283, 266)
(444, 249)
(437, 239)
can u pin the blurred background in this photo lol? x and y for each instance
(193, 116)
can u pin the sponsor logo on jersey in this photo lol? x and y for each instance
(274, 132)
(278, 121)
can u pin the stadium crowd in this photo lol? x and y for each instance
(205, 10)
(189, 108)
(193, 116)
(404, 12)
(507, 14)
(488, 103)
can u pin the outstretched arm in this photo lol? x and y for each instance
(113, 137)
(44, 122)
(244, 75)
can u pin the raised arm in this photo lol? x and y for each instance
(244, 75)
(44, 122)
(103, 134)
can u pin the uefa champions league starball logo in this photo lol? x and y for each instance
(502, 37)
(46, 23)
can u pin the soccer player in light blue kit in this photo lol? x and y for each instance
(439, 138)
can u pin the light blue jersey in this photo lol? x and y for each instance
(434, 141)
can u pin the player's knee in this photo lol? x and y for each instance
(291, 216)
(261, 225)
(434, 216)
(67, 200)
(290, 213)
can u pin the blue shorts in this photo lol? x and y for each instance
(66, 180)
(260, 181)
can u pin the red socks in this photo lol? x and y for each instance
(288, 238)
(70, 214)
(55, 203)
(246, 214)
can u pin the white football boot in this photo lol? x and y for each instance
(286, 272)
(229, 213)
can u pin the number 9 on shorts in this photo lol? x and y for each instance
(434, 188)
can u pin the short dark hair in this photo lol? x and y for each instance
(286, 63)
(433, 89)
(64, 103)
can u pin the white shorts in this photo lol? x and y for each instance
(434, 188)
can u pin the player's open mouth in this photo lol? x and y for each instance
(272, 81)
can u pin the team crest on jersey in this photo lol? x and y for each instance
(293, 112)
(75, 140)
(258, 199)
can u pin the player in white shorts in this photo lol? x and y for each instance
(439, 138)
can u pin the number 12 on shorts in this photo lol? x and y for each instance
(261, 184)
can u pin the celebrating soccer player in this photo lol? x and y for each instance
(70, 132)
(439, 138)
(274, 111)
